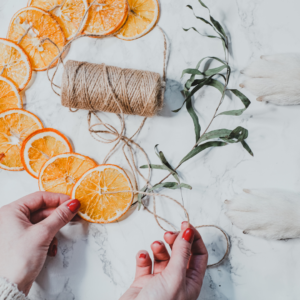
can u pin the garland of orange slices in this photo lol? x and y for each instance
(45, 153)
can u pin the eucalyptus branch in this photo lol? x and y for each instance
(215, 138)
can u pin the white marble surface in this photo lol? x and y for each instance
(98, 262)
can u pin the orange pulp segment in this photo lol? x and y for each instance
(40, 146)
(14, 64)
(15, 126)
(39, 26)
(9, 95)
(142, 17)
(60, 173)
(106, 16)
(68, 13)
(93, 191)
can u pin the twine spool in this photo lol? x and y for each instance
(94, 86)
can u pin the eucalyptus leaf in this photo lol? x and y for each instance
(166, 163)
(140, 196)
(161, 167)
(201, 2)
(171, 185)
(237, 135)
(246, 146)
(237, 112)
(194, 117)
(215, 70)
(200, 148)
(218, 27)
(214, 134)
(206, 35)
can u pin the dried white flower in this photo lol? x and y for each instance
(274, 78)
(267, 213)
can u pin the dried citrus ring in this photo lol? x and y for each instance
(14, 64)
(95, 190)
(9, 95)
(68, 13)
(39, 26)
(142, 17)
(60, 173)
(106, 16)
(40, 146)
(15, 126)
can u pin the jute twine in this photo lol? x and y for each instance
(87, 86)
(112, 91)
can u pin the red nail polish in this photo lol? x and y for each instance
(143, 255)
(170, 232)
(54, 250)
(74, 206)
(188, 235)
(157, 242)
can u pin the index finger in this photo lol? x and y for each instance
(41, 200)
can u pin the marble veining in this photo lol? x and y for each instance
(98, 261)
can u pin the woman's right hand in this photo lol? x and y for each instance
(178, 277)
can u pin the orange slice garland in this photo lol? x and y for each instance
(106, 16)
(60, 173)
(39, 25)
(15, 126)
(40, 146)
(14, 64)
(142, 18)
(68, 13)
(92, 190)
(9, 95)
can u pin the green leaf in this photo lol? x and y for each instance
(246, 146)
(171, 185)
(215, 70)
(194, 117)
(218, 26)
(192, 71)
(200, 148)
(162, 167)
(237, 112)
(237, 135)
(166, 163)
(203, 4)
(214, 135)
(140, 196)
(206, 35)
(216, 84)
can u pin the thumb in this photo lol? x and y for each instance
(181, 250)
(61, 216)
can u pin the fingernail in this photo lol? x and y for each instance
(143, 255)
(188, 235)
(170, 232)
(184, 222)
(54, 250)
(157, 242)
(74, 206)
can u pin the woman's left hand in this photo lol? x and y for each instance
(27, 233)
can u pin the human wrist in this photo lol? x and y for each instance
(10, 291)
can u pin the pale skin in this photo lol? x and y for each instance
(27, 233)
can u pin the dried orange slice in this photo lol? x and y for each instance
(95, 190)
(40, 146)
(39, 25)
(142, 17)
(60, 173)
(14, 64)
(15, 126)
(68, 13)
(9, 95)
(106, 16)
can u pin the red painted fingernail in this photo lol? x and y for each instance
(74, 206)
(170, 232)
(188, 235)
(157, 242)
(143, 255)
(54, 250)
